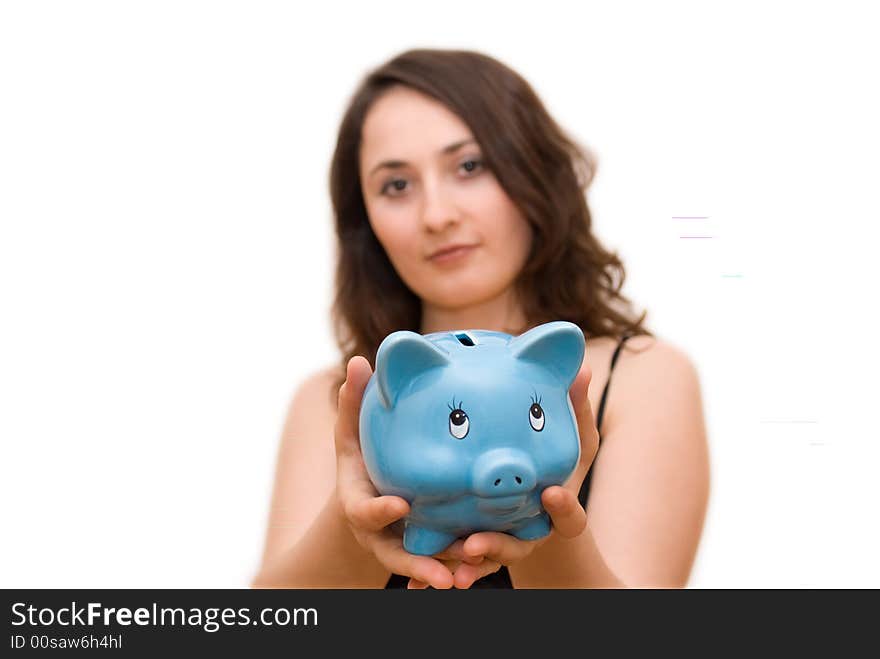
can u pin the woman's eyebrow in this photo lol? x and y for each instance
(396, 164)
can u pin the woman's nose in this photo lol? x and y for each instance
(438, 208)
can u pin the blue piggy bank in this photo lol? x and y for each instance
(470, 427)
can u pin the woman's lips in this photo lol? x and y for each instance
(453, 255)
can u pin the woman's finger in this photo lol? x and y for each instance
(353, 488)
(353, 484)
(452, 566)
(566, 513)
(389, 551)
(500, 547)
(346, 435)
(455, 551)
(375, 513)
(589, 434)
(466, 575)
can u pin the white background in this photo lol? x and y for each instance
(166, 259)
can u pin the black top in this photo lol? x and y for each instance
(501, 578)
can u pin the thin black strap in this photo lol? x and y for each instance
(585, 486)
(608, 382)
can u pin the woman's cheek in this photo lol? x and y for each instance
(394, 237)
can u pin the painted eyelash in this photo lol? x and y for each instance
(454, 407)
(536, 399)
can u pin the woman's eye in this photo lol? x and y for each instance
(458, 423)
(474, 165)
(398, 184)
(536, 417)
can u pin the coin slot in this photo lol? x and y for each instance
(465, 339)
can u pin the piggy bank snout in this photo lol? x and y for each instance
(503, 472)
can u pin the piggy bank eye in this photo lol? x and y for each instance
(458, 423)
(536, 417)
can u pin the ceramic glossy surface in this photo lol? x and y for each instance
(470, 427)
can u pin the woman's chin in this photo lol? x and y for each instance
(451, 297)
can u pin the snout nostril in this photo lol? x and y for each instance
(516, 478)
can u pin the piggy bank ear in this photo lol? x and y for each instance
(557, 346)
(401, 357)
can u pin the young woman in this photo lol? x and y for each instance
(460, 204)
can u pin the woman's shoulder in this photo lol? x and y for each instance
(654, 354)
(648, 371)
(316, 392)
(600, 351)
(323, 377)
(644, 349)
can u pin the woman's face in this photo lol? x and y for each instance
(425, 189)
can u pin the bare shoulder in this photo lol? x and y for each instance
(317, 392)
(311, 412)
(643, 344)
(651, 371)
(652, 361)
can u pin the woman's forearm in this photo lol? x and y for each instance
(565, 563)
(326, 556)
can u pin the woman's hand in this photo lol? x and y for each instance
(369, 515)
(492, 549)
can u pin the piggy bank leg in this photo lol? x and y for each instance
(425, 542)
(532, 528)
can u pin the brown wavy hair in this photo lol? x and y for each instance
(568, 274)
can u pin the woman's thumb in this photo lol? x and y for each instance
(351, 393)
(580, 400)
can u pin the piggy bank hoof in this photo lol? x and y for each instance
(532, 528)
(425, 542)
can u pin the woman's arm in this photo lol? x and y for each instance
(309, 543)
(650, 484)
(325, 556)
